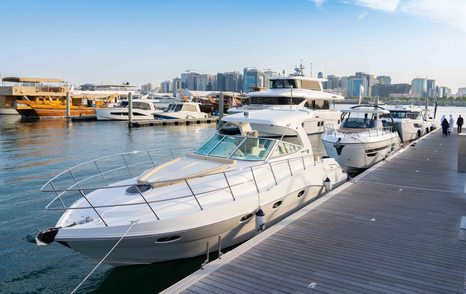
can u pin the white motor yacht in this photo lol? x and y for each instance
(229, 189)
(143, 109)
(362, 139)
(182, 110)
(294, 92)
(410, 122)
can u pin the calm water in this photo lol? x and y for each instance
(30, 154)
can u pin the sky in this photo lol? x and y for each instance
(90, 41)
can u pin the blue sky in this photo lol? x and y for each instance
(151, 41)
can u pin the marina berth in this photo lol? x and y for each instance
(219, 195)
(294, 92)
(365, 137)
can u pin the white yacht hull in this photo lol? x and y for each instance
(142, 244)
(116, 113)
(410, 129)
(357, 154)
(145, 249)
(180, 115)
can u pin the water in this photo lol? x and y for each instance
(33, 152)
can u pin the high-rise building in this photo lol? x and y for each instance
(431, 90)
(333, 82)
(147, 88)
(367, 85)
(357, 86)
(387, 90)
(190, 80)
(206, 82)
(419, 87)
(176, 85)
(267, 75)
(384, 80)
(253, 78)
(230, 81)
(166, 87)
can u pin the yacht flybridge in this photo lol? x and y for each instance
(294, 92)
(365, 137)
(171, 210)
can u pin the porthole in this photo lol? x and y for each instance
(301, 193)
(168, 239)
(246, 217)
(277, 204)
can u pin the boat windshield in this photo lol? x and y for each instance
(237, 147)
(357, 120)
(405, 114)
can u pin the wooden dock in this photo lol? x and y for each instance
(393, 229)
(172, 122)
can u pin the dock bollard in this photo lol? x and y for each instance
(328, 184)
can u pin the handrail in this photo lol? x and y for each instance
(110, 156)
(77, 187)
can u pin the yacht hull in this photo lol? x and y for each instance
(180, 115)
(122, 114)
(146, 249)
(411, 130)
(354, 154)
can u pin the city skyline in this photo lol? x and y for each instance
(140, 42)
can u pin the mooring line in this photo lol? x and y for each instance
(106, 255)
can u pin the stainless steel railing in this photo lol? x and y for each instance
(77, 187)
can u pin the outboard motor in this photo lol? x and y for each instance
(260, 220)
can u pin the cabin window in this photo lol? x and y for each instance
(275, 100)
(141, 105)
(246, 217)
(311, 85)
(254, 149)
(281, 84)
(178, 107)
(284, 148)
(397, 114)
(413, 115)
(318, 104)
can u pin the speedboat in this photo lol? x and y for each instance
(364, 138)
(410, 122)
(294, 92)
(143, 109)
(182, 110)
(224, 192)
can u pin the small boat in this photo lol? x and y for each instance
(294, 92)
(364, 138)
(410, 122)
(182, 110)
(143, 109)
(225, 192)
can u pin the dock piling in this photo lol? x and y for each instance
(130, 109)
(68, 104)
(221, 106)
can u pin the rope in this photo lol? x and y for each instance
(106, 255)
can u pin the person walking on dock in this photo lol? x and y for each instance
(459, 123)
(451, 123)
(445, 126)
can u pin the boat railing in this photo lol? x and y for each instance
(77, 182)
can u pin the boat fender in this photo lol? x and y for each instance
(260, 220)
(328, 184)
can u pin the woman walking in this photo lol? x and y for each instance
(445, 126)
(451, 122)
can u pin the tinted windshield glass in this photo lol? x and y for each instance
(280, 84)
(209, 145)
(226, 146)
(357, 120)
(254, 149)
